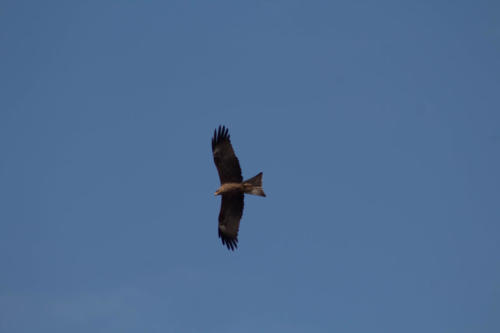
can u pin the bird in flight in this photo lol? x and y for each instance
(232, 187)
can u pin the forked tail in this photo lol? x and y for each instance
(254, 185)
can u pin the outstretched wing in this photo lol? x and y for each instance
(225, 160)
(230, 214)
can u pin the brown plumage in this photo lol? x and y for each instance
(232, 187)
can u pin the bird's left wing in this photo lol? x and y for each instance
(225, 159)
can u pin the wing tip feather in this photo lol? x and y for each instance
(230, 243)
(220, 134)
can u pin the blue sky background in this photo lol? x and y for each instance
(376, 124)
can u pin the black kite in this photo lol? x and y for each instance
(232, 187)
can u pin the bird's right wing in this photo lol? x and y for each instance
(230, 214)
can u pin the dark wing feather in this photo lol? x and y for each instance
(230, 214)
(225, 160)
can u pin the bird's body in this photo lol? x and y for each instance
(250, 186)
(232, 187)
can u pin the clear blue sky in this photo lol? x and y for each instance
(376, 124)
